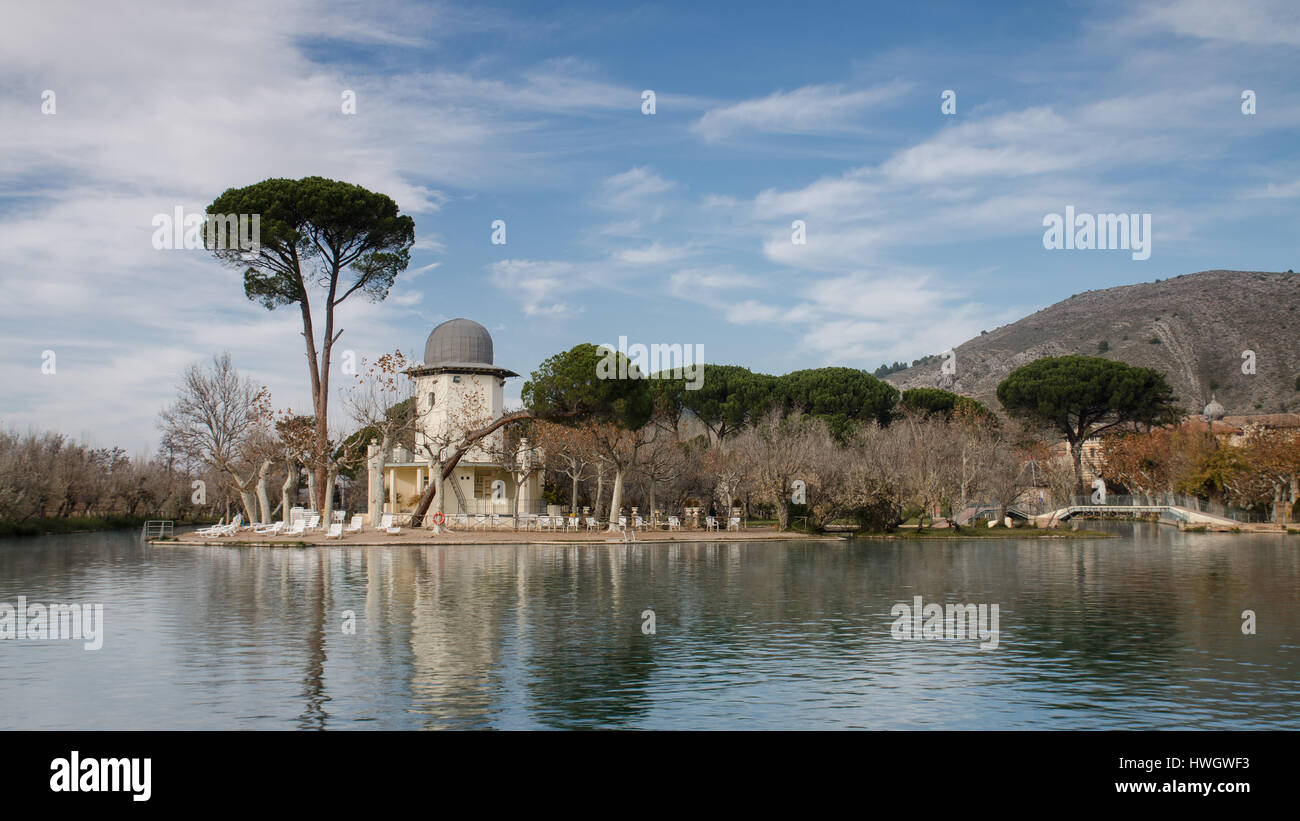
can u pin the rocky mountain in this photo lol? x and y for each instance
(1198, 329)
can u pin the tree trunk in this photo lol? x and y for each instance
(616, 498)
(377, 466)
(263, 500)
(312, 488)
(1076, 453)
(290, 480)
(327, 512)
(514, 506)
(600, 490)
(573, 498)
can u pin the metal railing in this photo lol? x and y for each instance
(504, 507)
(157, 529)
(1170, 500)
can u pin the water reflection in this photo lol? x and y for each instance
(1140, 631)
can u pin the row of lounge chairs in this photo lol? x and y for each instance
(485, 521)
(463, 521)
(298, 527)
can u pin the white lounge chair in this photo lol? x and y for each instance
(336, 531)
(230, 529)
(674, 523)
(314, 522)
(270, 530)
(358, 524)
(296, 529)
(710, 523)
(338, 515)
(733, 523)
(386, 524)
(211, 530)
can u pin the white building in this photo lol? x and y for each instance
(457, 389)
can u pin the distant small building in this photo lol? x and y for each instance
(1231, 430)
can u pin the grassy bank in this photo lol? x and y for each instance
(74, 524)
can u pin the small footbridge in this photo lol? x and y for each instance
(1184, 509)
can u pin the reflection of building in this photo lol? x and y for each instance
(457, 389)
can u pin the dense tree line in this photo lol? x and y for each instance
(1260, 473)
(825, 444)
(49, 476)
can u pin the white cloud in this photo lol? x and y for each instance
(810, 110)
(1254, 22)
(539, 287)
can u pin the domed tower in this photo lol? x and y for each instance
(458, 389)
(458, 386)
(1213, 413)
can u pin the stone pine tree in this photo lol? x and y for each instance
(1084, 396)
(842, 397)
(594, 384)
(319, 242)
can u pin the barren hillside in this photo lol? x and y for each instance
(1194, 328)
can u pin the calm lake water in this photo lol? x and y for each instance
(1143, 631)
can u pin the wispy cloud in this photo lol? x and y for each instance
(810, 110)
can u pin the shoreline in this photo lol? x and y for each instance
(426, 538)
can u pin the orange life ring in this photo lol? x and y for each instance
(438, 518)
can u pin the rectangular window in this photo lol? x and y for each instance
(483, 486)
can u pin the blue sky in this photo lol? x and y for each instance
(922, 228)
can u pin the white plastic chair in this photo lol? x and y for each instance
(674, 523)
(357, 525)
(296, 529)
(573, 523)
(733, 523)
(710, 523)
(336, 531)
(591, 523)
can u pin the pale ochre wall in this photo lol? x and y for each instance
(409, 483)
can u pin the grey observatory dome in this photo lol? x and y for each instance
(458, 342)
(1214, 411)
